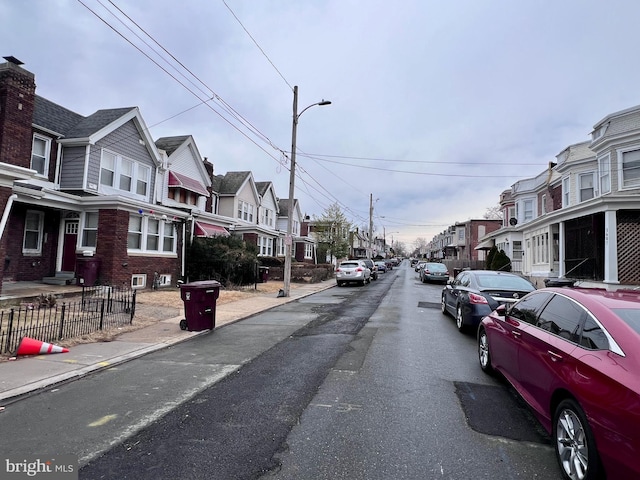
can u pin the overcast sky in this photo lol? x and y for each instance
(437, 107)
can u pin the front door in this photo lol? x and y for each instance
(69, 245)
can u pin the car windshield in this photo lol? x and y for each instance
(436, 267)
(511, 282)
(631, 316)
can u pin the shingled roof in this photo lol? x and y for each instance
(231, 182)
(53, 117)
(171, 144)
(97, 121)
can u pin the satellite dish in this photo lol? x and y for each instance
(513, 221)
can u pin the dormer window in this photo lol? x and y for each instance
(40, 154)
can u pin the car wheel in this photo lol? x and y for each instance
(483, 352)
(574, 443)
(460, 319)
(443, 305)
(339, 284)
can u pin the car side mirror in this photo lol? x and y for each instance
(501, 310)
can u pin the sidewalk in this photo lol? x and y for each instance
(27, 375)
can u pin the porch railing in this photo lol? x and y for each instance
(99, 308)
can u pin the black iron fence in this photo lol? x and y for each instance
(49, 320)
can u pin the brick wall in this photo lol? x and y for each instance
(116, 265)
(17, 96)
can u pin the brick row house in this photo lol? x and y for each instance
(580, 218)
(95, 198)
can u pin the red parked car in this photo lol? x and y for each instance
(573, 354)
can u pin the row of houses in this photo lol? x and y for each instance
(579, 219)
(97, 198)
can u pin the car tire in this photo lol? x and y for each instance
(443, 306)
(572, 438)
(339, 284)
(460, 319)
(484, 355)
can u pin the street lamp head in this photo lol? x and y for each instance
(325, 102)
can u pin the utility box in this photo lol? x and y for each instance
(87, 271)
(199, 300)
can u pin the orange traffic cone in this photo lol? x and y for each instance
(29, 346)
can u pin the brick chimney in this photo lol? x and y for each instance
(17, 97)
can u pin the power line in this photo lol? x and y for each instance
(256, 44)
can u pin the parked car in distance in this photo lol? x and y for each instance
(434, 272)
(352, 271)
(371, 265)
(473, 294)
(419, 265)
(389, 264)
(573, 354)
(382, 266)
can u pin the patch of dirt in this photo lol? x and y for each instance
(153, 306)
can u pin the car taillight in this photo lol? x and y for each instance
(338, 269)
(359, 269)
(475, 298)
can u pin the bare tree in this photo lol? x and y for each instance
(493, 213)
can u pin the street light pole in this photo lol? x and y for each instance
(288, 241)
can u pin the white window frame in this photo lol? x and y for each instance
(123, 168)
(511, 213)
(245, 211)
(604, 174)
(265, 246)
(582, 178)
(528, 210)
(145, 233)
(280, 247)
(38, 216)
(566, 191)
(88, 227)
(139, 280)
(164, 280)
(308, 250)
(635, 183)
(267, 217)
(543, 203)
(44, 158)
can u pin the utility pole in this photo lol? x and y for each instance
(289, 244)
(370, 224)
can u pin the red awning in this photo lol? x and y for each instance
(182, 181)
(208, 230)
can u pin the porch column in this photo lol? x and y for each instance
(562, 267)
(610, 247)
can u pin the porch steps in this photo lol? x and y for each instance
(60, 278)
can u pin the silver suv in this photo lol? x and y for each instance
(352, 271)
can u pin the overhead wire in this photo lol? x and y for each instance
(179, 81)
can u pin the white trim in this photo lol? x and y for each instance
(620, 153)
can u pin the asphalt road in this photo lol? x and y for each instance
(351, 383)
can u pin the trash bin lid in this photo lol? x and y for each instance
(202, 284)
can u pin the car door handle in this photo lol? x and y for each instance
(554, 356)
(516, 334)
